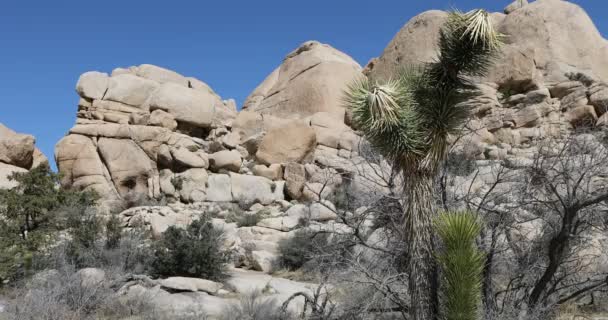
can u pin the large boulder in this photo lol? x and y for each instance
(561, 36)
(290, 143)
(551, 37)
(186, 105)
(19, 150)
(248, 190)
(16, 149)
(415, 43)
(6, 170)
(81, 167)
(310, 79)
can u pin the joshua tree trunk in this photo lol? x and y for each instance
(418, 224)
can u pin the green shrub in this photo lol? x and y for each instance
(192, 252)
(30, 218)
(243, 219)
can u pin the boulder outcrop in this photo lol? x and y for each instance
(137, 125)
(545, 40)
(310, 80)
(18, 153)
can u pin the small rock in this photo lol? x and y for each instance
(191, 284)
(226, 159)
(272, 172)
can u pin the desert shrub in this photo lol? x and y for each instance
(64, 294)
(195, 251)
(113, 232)
(243, 219)
(249, 220)
(254, 306)
(92, 241)
(301, 248)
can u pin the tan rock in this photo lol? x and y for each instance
(248, 190)
(291, 143)
(517, 4)
(193, 185)
(117, 106)
(226, 159)
(186, 158)
(160, 75)
(7, 170)
(310, 79)
(598, 97)
(602, 121)
(295, 178)
(247, 124)
(163, 119)
(566, 39)
(527, 117)
(582, 116)
(130, 89)
(563, 89)
(81, 167)
(415, 43)
(186, 105)
(92, 85)
(272, 172)
(191, 284)
(16, 149)
(120, 157)
(515, 70)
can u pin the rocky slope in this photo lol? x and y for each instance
(149, 133)
(18, 153)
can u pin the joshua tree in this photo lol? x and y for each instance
(462, 265)
(410, 119)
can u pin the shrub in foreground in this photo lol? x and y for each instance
(195, 251)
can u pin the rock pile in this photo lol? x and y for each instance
(18, 153)
(149, 132)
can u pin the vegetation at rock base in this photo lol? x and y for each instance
(195, 251)
(31, 216)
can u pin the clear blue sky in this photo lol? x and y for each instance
(232, 45)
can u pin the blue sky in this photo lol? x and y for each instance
(232, 45)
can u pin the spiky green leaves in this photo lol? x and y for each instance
(479, 29)
(386, 114)
(468, 42)
(461, 264)
(410, 118)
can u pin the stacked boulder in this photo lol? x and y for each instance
(149, 132)
(18, 153)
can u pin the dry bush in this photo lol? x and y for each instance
(254, 306)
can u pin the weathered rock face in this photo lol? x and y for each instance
(136, 124)
(310, 80)
(544, 38)
(415, 43)
(18, 153)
